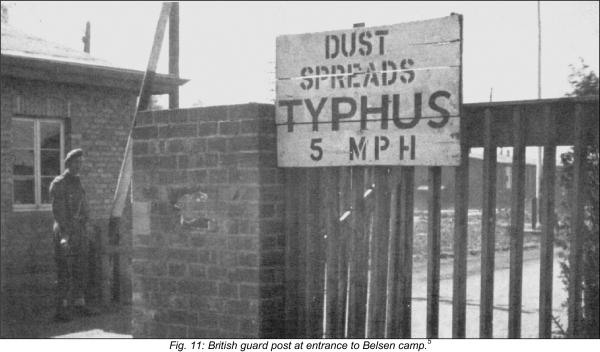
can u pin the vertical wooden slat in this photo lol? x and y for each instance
(378, 253)
(315, 257)
(330, 192)
(392, 321)
(488, 236)
(575, 327)
(303, 206)
(359, 256)
(358, 259)
(461, 213)
(548, 221)
(344, 205)
(433, 250)
(173, 53)
(292, 244)
(405, 235)
(517, 221)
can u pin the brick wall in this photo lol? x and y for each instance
(207, 224)
(99, 121)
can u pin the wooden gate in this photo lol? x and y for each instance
(349, 230)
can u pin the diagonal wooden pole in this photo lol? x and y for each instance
(126, 171)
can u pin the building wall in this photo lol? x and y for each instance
(208, 232)
(96, 120)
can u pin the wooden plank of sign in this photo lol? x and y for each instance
(405, 57)
(415, 40)
(431, 146)
(321, 102)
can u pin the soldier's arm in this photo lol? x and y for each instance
(59, 208)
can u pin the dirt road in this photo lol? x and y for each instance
(530, 301)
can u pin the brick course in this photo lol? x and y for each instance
(97, 120)
(223, 278)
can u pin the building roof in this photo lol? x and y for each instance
(26, 56)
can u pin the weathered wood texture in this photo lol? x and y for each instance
(488, 230)
(422, 145)
(548, 223)
(517, 221)
(434, 218)
(349, 234)
(416, 40)
(379, 81)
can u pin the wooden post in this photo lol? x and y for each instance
(315, 272)
(461, 228)
(548, 222)
(292, 255)
(174, 53)
(87, 38)
(345, 202)
(379, 255)
(434, 218)
(575, 326)
(517, 219)
(393, 271)
(405, 229)
(461, 213)
(303, 238)
(488, 228)
(126, 171)
(358, 257)
(333, 243)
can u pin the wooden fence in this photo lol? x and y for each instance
(349, 230)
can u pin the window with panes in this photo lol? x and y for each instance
(38, 146)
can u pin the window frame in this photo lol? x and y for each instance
(37, 163)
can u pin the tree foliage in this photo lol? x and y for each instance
(584, 82)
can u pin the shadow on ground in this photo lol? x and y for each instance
(112, 322)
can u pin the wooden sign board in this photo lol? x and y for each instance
(386, 95)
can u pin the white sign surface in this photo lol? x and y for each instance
(370, 96)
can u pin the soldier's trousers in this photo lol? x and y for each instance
(71, 274)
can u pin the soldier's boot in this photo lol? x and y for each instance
(62, 313)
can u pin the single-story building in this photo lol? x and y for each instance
(55, 99)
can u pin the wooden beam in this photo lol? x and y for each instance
(358, 257)
(548, 222)
(379, 256)
(332, 231)
(488, 228)
(292, 259)
(461, 228)
(393, 271)
(345, 203)
(315, 272)
(434, 217)
(174, 52)
(517, 222)
(406, 231)
(575, 326)
(126, 171)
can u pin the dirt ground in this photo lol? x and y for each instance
(113, 322)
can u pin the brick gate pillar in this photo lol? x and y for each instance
(208, 244)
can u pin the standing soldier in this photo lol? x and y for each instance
(70, 211)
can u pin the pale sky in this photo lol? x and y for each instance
(227, 49)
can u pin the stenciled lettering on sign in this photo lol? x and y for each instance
(382, 96)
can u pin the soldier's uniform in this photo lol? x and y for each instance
(70, 210)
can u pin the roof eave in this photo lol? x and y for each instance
(80, 73)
